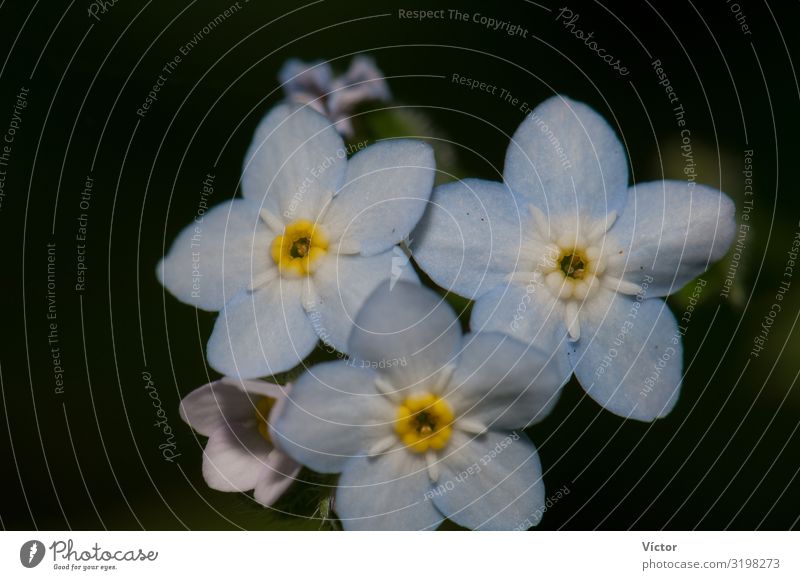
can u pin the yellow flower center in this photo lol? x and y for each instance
(300, 246)
(263, 408)
(424, 422)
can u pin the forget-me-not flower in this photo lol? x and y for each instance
(237, 417)
(293, 261)
(420, 421)
(565, 253)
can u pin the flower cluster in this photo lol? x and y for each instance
(566, 263)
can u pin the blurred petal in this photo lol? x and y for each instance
(262, 333)
(305, 78)
(217, 255)
(362, 82)
(334, 413)
(491, 482)
(471, 237)
(671, 232)
(295, 162)
(630, 357)
(387, 492)
(568, 160)
(385, 194)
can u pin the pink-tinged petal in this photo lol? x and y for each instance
(235, 457)
(305, 79)
(276, 477)
(216, 404)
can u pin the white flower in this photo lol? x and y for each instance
(420, 420)
(294, 260)
(237, 417)
(565, 254)
(337, 98)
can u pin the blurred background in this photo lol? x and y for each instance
(90, 333)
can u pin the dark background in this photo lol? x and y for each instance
(727, 456)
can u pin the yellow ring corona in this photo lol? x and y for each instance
(301, 245)
(424, 422)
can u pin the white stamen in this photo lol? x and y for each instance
(310, 297)
(622, 286)
(386, 389)
(433, 468)
(443, 380)
(592, 253)
(598, 266)
(540, 221)
(471, 426)
(572, 321)
(273, 222)
(580, 290)
(567, 288)
(382, 445)
(554, 281)
(568, 240)
(262, 279)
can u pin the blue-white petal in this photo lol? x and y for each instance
(386, 191)
(295, 163)
(471, 237)
(528, 313)
(568, 160)
(503, 383)
(491, 482)
(630, 357)
(408, 332)
(262, 333)
(217, 255)
(671, 232)
(343, 284)
(333, 413)
(386, 492)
